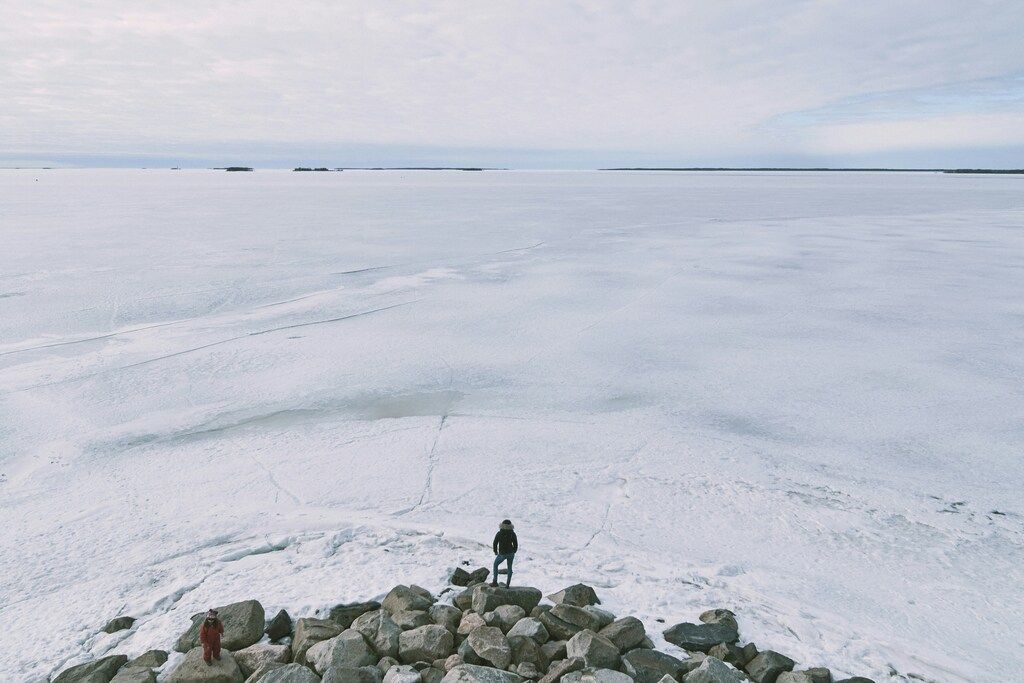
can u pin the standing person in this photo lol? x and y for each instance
(505, 546)
(209, 635)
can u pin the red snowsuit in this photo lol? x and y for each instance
(209, 636)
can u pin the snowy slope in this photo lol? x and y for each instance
(795, 395)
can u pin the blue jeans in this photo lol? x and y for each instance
(498, 559)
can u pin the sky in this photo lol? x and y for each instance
(523, 84)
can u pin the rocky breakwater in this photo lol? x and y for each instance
(477, 634)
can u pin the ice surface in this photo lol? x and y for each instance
(795, 395)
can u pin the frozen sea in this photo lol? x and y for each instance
(799, 396)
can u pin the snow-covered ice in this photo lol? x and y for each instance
(795, 395)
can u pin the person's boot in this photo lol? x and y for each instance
(209, 662)
(494, 584)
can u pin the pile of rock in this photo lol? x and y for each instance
(487, 635)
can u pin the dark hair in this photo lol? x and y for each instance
(506, 521)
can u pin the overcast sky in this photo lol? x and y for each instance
(526, 84)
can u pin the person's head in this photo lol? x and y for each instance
(506, 524)
(211, 615)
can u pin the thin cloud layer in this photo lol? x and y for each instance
(575, 81)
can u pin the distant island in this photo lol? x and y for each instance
(419, 168)
(234, 168)
(307, 168)
(836, 170)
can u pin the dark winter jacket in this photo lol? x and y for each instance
(505, 541)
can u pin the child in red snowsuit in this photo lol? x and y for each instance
(209, 635)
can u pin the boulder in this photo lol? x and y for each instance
(460, 577)
(577, 616)
(560, 668)
(469, 623)
(118, 624)
(97, 671)
(818, 674)
(347, 649)
(557, 628)
(402, 674)
(193, 669)
(528, 670)
(243, 626)
(592, 675)
(729, 653)
(411, 619)
(603, 616)
(719, 616)
(134, 674)
(701, 637)
(525, 650)
(749, 652)
(625, 633)
(504, 616)
(363, 674)
(380, 631)
(253, 657)
(150, 659)
(432, 675)
(406, 598)
(386, 663)
(452, 662)
(309, 632)
(261, 672)
(290, 673)
(531, 628)
(445, 615)
(650, 666)
(767, 665)
(578, 595)
(464, 600)
(467, 673)
(279, 627)
(345, 614)
(487, 598)
(794, 677)
(596, 651)
(538, 610)
(553, 650)
(469, 656)
(713, 670)
(491, 645)
(425, 644)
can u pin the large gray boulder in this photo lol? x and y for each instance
(467, 673)
(469, 656)
(193, 669)
(531, 628)
(290, 673)
(134, 674)
(553, 650)
(460, 577)
(713, 670)
(525, 650)
(579, 595)
(561, 668)
(425, 644)
(577, 616)
(626, 633)
(491, 645)
(730, 653)
(767, 665)
(380, 631)
(701, 637)
(596, 651)
(118, 624)
(469, 623)
(362, 674)
(557, 628)
(309, 632)
(347, 649)
(406, 598)
(592, 675)
(97, 671)
(345, 614)
(149, 659)
(795, 677)
(402, 673)
(259, 673)
(253, 657)
(464, 600)
(504, 616)
(816, 674)
(649, 666)
(280, 626)
(487, 598)
(602, 616)
(445, 615)
(243, 625)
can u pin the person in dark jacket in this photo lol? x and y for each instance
(209, 635)
(505, 546)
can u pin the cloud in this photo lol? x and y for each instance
(957, 132)
(684, 80)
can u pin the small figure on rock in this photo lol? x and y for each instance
(209, 635)
(505, 546)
